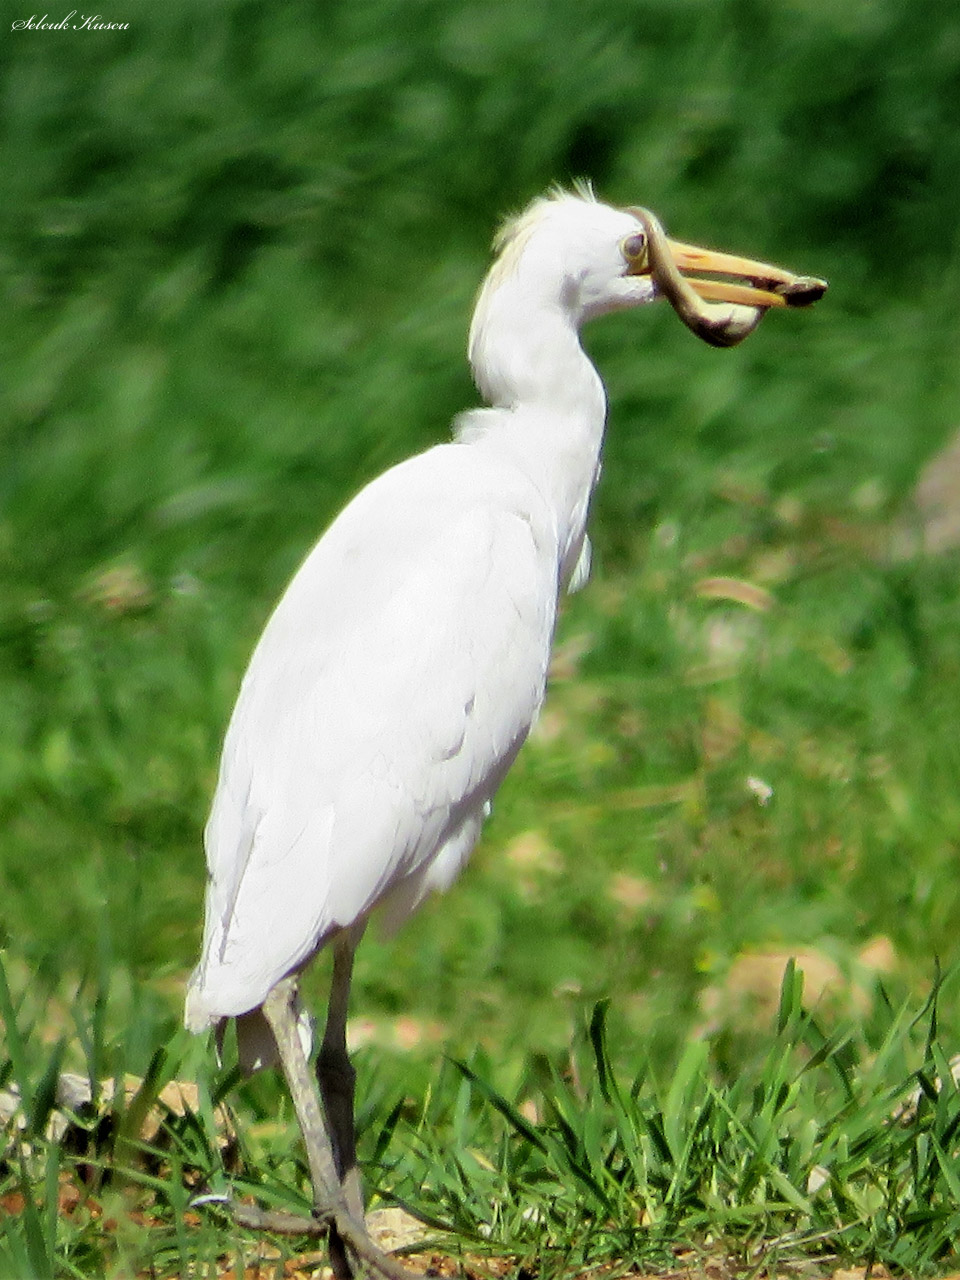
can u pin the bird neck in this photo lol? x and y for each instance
(525, 352)
(548, 402)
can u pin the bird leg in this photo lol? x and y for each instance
(279, 1011)
(347, 1233)
(337, 1077)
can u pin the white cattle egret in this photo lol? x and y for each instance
(405, 664)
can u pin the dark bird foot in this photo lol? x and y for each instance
(352, 1250)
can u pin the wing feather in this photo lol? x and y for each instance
(385, 701)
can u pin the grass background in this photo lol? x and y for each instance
(239, 248)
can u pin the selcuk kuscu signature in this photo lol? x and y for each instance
(85, 22)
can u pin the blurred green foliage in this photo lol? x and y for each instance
(240, 244)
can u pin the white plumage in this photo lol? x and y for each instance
(406, 663)
(384, 702)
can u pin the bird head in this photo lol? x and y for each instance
(591, 258)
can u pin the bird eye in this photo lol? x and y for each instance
(635, 247)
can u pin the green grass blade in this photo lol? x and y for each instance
(506, 1109)
(15, 1045)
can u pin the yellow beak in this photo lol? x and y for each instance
(769, 286)
(756, 285)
